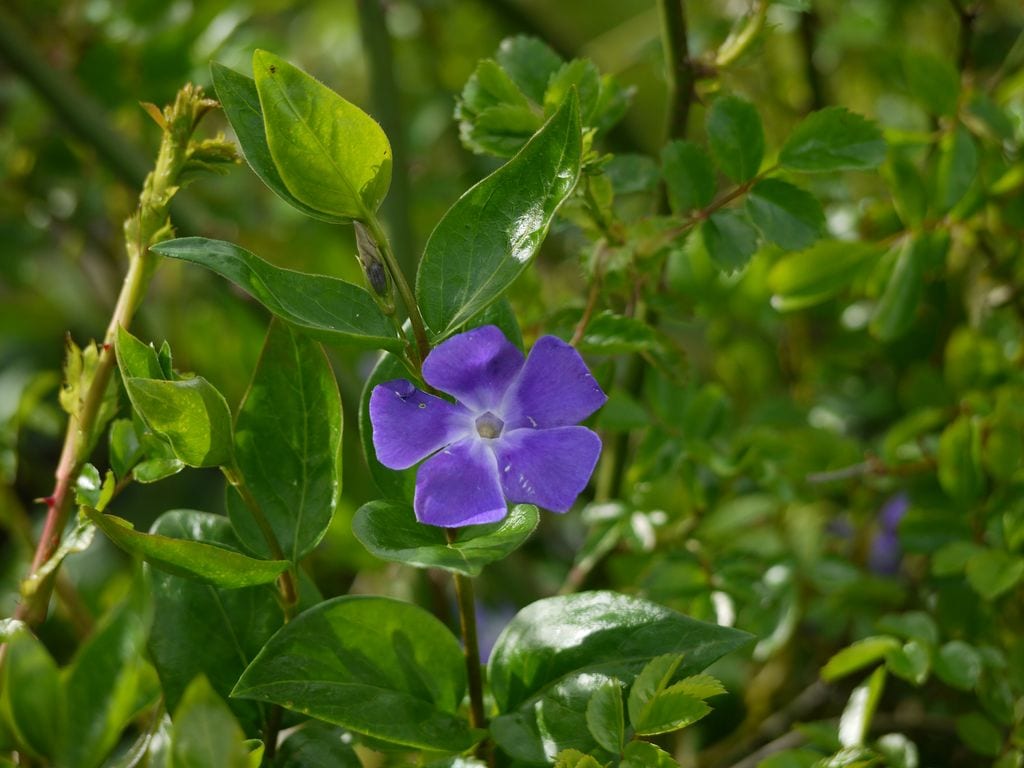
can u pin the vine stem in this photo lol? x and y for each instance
(464, 595)
(408, 298)
(287, 580)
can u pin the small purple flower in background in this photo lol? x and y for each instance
(509, 438)
(886, 553)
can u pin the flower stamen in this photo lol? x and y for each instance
(489, 426)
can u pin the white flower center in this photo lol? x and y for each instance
(489, 426)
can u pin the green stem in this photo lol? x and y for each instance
(470, 644)
(388, 108)
(411, 307)
(679, 68)
(287, 581)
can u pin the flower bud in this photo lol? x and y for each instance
(374, 269)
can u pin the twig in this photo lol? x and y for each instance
(678, 67)
(872, 466)
(966, 16)
(809, 23)
(388, 108)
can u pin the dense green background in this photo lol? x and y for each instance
(724, 509)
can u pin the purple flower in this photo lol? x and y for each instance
(509, 438)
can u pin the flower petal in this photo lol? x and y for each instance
(459, 486)
(546, 467)
(554, 389)
(409, 425)
(475, 367)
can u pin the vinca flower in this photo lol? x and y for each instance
(510, 437)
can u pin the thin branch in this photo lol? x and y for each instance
(809, 24)
(966, 16)
(678, 67)
(387, 105)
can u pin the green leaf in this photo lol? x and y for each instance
(899, 302)
(605, 717)
(952, 559)
(958, 165)
(390, 531)
(101, 685)
(786, 215)
(494, 115)
(689, 176)
(992, 572)
(241, 103)
(643, 754)
(530, 63)
(207, 563)
(810, 277)
(125, 448)
(669, 710)
(32, 703)
(325, 308)
(611, 334)
(650, 681)
(913, 625)
(373, 665)
(833, 139)
(932, 81)
(135, 359)
(330, 154)
(191, 415)
(959, 457)
(199, 629)
(860, 654)
(493, 231)
(729, 238)
(980, 734)
(206, 734)
(573, 758)
(736, 137)
(288, 445)
(581, 76)
(393, 484)
(958, 664)
(316, 745)
(601, 632)
(912, 662)
(855, 722)
(909, 195)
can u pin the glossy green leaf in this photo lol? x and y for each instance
(787, 215)
(102, 683)
(833, 139)
(373, 665)
(32, 703)
(325, 308)
(317, 745)
(390, 531)
(689, 176)
(391, 483)
(125, 447)
(958, 664)
(191, 415)
(669, 710)
(812, 276)
(959, 457)
(135, 359)
(605, 716)
(855, 722)
(597, 632)
(643, 754)
(199, 629)
(736, 137)
(729, 238)
(206, 734)
(957, 168)
(330, 154)
(933, 81)
(581, 76)
(573, 758)
(530, 63)
(860, 654)
(980, 734)
(991, 572)
(241, 103)
(912, 662)
(207, 563)
(288, 445)
(493, 231)
(903, 291)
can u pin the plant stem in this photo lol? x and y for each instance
(411, 307)
(388, 107)
(287, 582)
(679, 68)
(470, 645)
